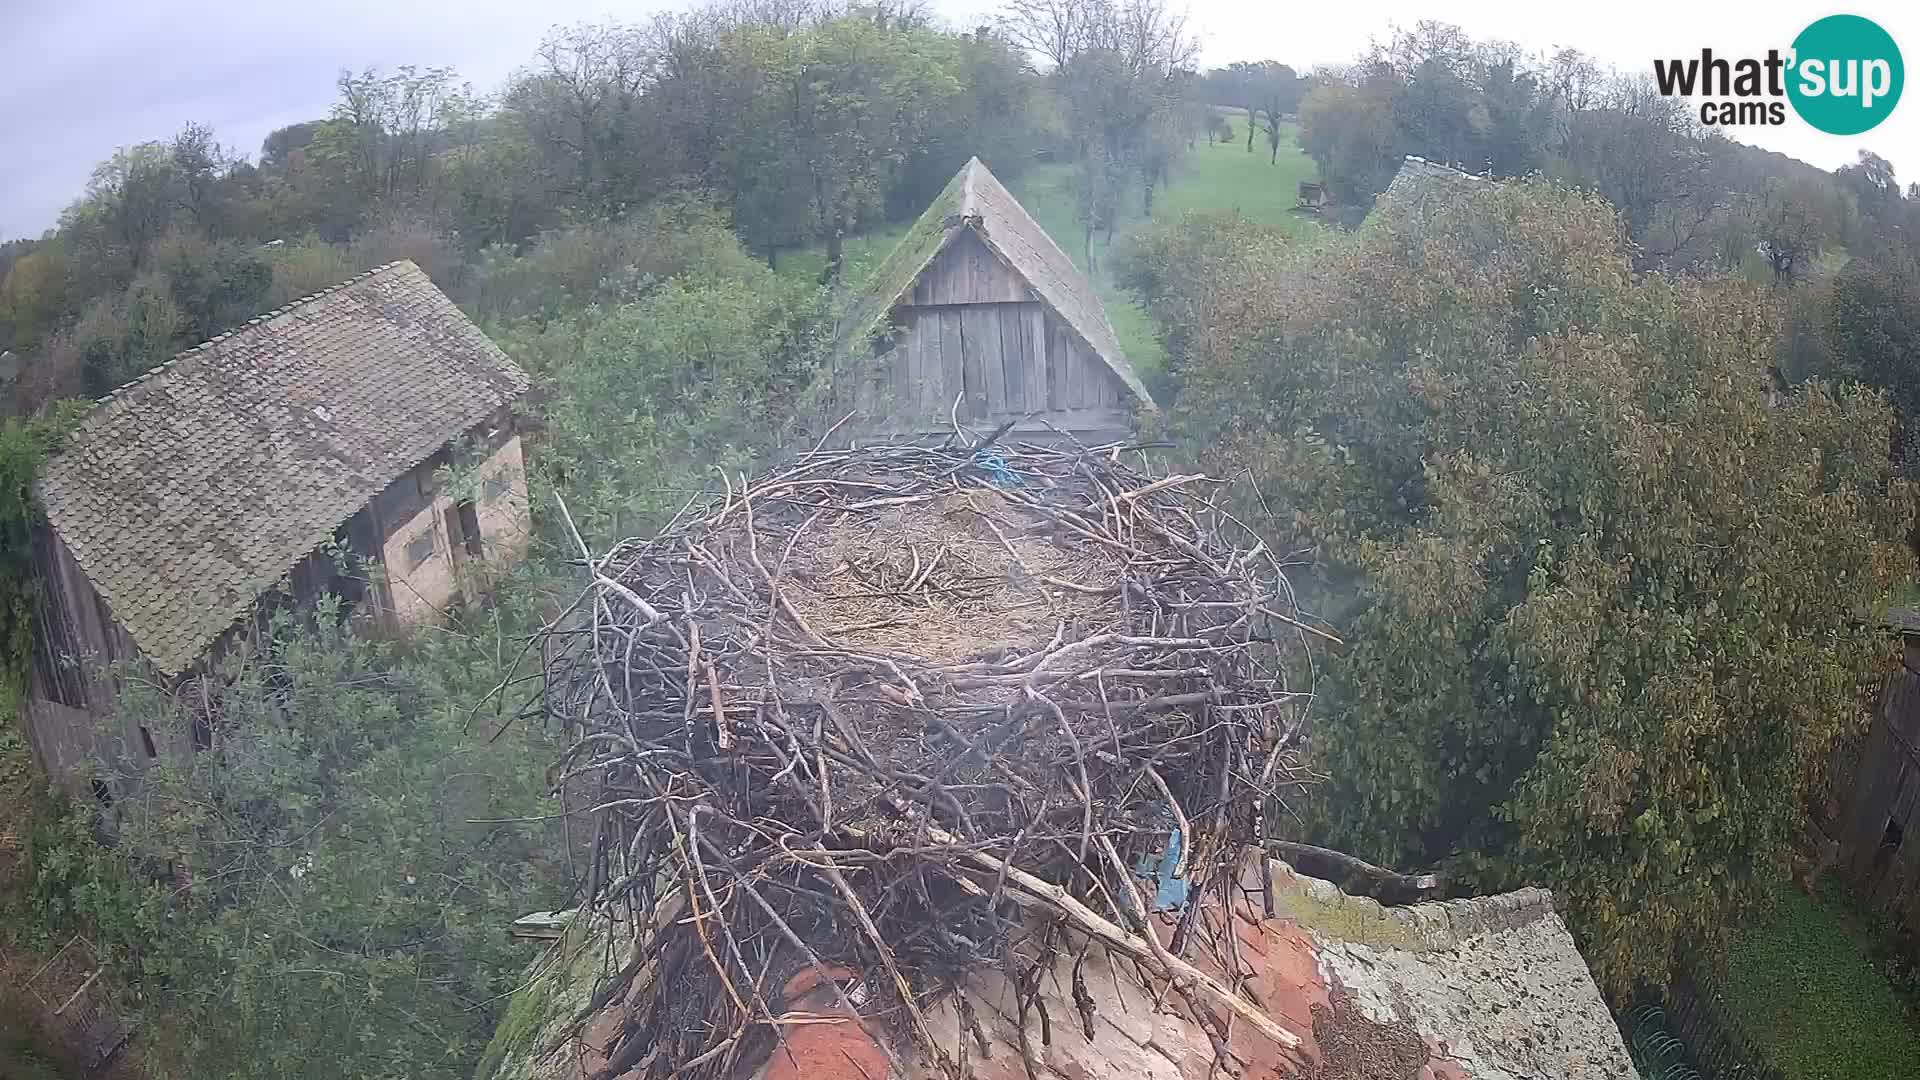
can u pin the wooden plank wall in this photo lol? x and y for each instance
(967, 273)
(975, 331)
(76, 639)
(1887, 792)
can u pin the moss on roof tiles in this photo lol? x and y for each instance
(214, 479)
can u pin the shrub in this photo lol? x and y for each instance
(608, 262)
(304, 268)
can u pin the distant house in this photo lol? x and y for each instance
(979, 316)
(356, 443)
(1314, 197)
(1417, 174)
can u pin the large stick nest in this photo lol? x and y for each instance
(896, 709)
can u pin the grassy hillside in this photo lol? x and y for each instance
(1211, 177)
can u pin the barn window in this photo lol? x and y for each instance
(469, 519)
(146, 740)
(420, 549)
(1889, 845)
(102, 793)
(495, 487)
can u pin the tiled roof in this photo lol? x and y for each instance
(187, 493)
(1490, 988)
(1415, 171)
(975, 199)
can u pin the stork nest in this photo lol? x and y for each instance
(893, 709)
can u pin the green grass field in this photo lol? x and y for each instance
(1800, 987)
(1212, 176)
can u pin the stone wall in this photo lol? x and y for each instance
(423, 588)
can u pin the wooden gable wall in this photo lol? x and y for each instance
(972, 328)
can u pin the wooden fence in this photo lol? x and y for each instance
(72, 1008)
(1696, 1014)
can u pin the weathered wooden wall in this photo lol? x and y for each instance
(1880, 827)
(974, 331)
(76, 641)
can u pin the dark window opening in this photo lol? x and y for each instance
(146, 740)
(469, 519)
(202, 731)
(102, 793)
(419, 549)
(495, 487)
(1889, 844)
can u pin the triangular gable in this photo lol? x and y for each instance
(974, 200)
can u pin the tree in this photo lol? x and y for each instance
(1872, 183)
(1603, 599)
(132, 198)
(1792, 221)
(577, 105)
(1124, 69)
(1647, 155)
(1272, 91)
(863, 94)
(278, 148)
(1863, 326)
(1348, 130)
(322, 893)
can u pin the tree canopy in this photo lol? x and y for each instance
(1609, 603)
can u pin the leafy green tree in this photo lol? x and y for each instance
(865, 95)
(1863, 326)
(1348, 130)
(647, 398)
(324, 892)
(1607, 605)
(23, 445)
(214, 284)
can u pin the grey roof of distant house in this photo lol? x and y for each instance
(187, 493)
(975, 199)
(1415, 171)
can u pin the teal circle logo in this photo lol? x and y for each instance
(1846, 76)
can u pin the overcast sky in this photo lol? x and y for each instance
(82, 77)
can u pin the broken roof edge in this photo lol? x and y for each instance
(534, 1040)
(125, 391)
(1428, 926)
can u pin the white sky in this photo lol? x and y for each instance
(81, 77)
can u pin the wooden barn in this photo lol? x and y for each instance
(1877, 829)
(978, 316)
(356, 443)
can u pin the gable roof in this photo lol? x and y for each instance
(976, 200)
(187, 493)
